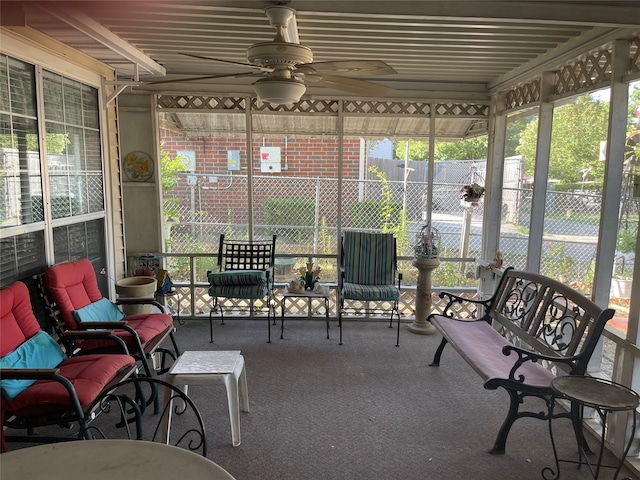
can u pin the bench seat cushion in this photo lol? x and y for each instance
(481, 346)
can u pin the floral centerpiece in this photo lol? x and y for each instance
(310, 276)
(471, 193)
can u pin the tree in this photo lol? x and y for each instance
(56, 142)
(471, 149)
(578, 129)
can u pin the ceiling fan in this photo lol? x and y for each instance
(285, 68)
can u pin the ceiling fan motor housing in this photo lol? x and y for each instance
(269, 54)
(279, 91)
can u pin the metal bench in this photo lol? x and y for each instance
(531, 330)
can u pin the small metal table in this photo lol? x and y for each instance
(604, 396)
(309, 295)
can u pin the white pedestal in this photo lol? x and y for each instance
(423, 296)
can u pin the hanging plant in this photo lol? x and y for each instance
(471, 193)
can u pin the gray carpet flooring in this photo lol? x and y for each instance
(365, 410)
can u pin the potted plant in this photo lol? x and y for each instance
(472, 193)
(623, 264)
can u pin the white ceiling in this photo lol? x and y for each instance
(440, 49)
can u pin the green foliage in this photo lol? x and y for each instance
(169, 168)
(578, 129)
(385, 215)
(448, 275)
(285, 213)
(388, 208)
(418, 150)
(325, 237)
(471, 149)
(56, 142)
(514, 130)
(626, 241)
(179, 267)
(556, 262)
(370, 214)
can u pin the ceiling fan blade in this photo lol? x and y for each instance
(352, 85)
(230, 62)
(349, 68)
(205, 77)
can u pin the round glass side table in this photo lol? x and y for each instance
(604, 396)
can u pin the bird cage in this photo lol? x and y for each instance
(428, 243)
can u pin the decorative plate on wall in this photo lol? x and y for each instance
(138, 166)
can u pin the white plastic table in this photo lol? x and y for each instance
(210, 368)
(109, 460)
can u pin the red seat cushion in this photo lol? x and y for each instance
(146, 325)
(89, 374)
(17, 320)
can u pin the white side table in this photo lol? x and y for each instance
(209, 368)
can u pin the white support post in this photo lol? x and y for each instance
(541, 174)
(493, 188)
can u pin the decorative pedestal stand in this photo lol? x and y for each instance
(423, 296)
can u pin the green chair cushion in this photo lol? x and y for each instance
(353, 291)
(237, 278)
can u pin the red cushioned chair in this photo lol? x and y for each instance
(40, 384)
(68, 287)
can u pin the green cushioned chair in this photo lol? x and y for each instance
(368, 274)
(245, 272)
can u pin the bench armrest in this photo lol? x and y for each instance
(531, 356)
(453, 299)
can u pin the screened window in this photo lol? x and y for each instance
(20, 177)
(74, 227)
(73, 147)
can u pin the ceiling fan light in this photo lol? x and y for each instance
(279, 91)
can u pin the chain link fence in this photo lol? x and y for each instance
(303, 212)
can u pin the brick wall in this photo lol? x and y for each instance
(226, 199)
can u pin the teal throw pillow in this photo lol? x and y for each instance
(40, 351)
(104, 310)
